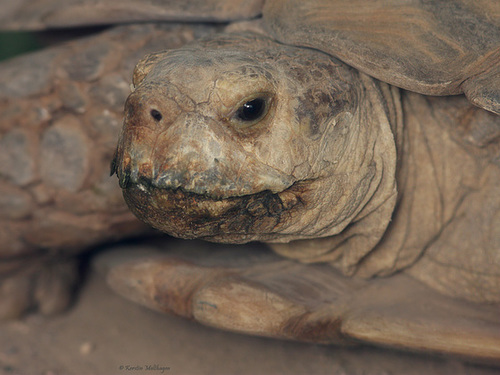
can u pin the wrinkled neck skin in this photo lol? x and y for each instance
(370, 163)
(356, 156)
(317, 169)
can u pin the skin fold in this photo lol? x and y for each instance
(338, 167)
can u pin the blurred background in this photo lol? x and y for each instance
(16, 43)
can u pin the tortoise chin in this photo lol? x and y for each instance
(236, 219)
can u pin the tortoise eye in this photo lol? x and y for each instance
(252, 111)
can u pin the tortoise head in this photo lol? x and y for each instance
(238, 138)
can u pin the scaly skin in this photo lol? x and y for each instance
(317, 176)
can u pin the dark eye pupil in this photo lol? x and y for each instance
(252, 110)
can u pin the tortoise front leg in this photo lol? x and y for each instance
(261, 294)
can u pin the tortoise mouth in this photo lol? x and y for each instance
(237, 219)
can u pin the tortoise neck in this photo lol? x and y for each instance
(373, 157)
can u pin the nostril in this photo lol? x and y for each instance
(156, 115)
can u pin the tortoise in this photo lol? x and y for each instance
(334, 131)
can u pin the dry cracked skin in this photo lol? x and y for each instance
(292, 147)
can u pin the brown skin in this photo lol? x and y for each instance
(316, 173)
(271, 174)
